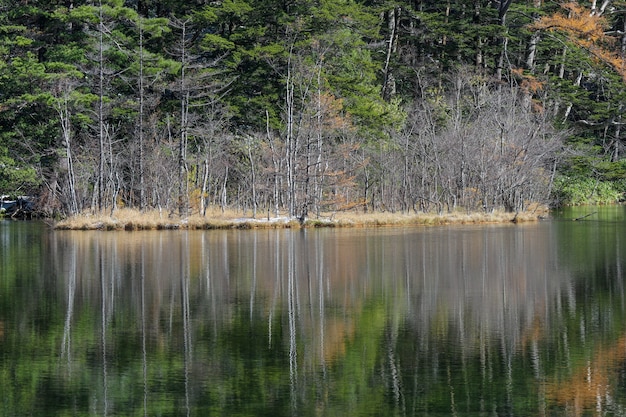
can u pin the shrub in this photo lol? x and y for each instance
(584, 190)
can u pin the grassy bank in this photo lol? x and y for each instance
(129, 219)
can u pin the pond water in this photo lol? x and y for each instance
(520, 320)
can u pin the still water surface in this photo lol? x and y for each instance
(521, 320)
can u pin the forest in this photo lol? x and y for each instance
(304, 107)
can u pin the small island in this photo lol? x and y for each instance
(130, 220)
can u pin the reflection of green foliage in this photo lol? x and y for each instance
(358, 390)
(393, 363)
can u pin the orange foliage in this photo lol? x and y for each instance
(578, 22)
(331, 108)
(530, 85)
(586, 30)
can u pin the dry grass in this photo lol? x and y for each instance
(433, 219)
(130, 219)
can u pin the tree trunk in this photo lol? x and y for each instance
(531, 51)
(67, 163)
(101, 137)
(389, 88)
(253, 175)
(204, 191)
(142, 181)
(289, 137)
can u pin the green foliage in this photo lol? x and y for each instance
(15, 179)
(585, 190)
(248, 51)
(215, 43)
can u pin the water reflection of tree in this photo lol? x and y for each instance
(330, 340)
(352, 323)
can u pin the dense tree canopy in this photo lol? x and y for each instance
(311, 106)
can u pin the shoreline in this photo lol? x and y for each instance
(134, 220)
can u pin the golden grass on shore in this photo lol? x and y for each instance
(131, 219)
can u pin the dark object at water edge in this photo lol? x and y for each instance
(21, 208)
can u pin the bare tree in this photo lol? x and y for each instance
(476, 147)
(199, 89)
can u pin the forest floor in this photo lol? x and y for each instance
(129, 219)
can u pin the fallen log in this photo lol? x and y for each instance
(585, 216)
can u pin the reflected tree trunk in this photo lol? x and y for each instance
(254, 268)
(277, 289)
(187, 340)
(395, 373)
(66, 346)
(210, 283)
(292, 317)
(144, 353)
(321, 300)
(103, 327)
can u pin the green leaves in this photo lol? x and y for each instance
(372, 59)
(215, 43)
(585, 190)
(16, 179)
